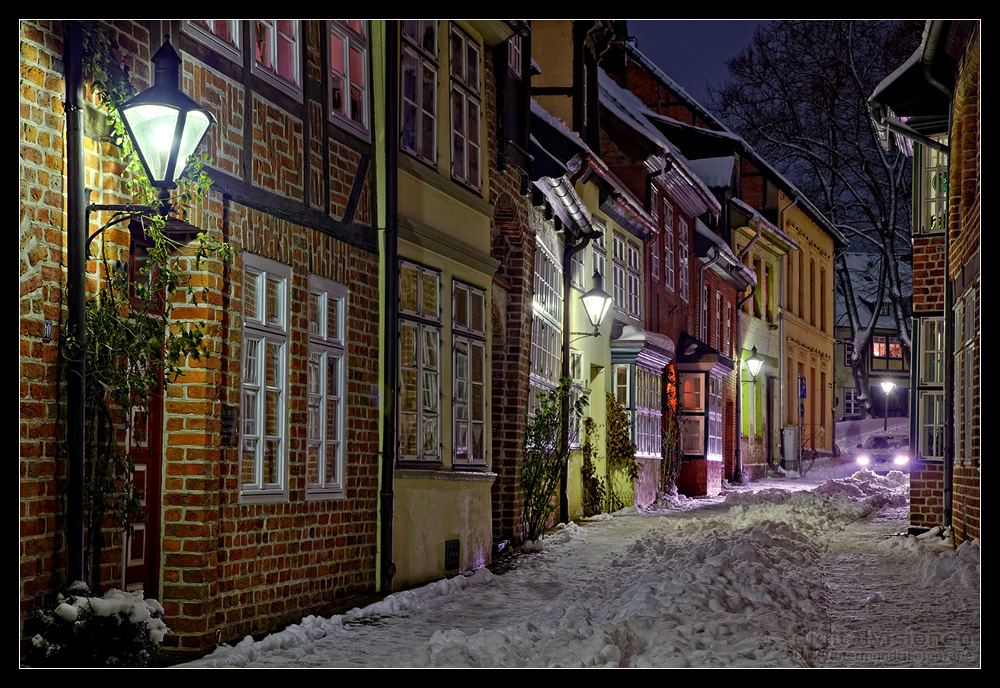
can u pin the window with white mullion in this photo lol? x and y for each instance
(277, 53)
(221, 34)
(634, 282)
(465, 107)
(932, 425)
(349, 73)
(682, 260)
(668, 245)
(326, 413)
(649, 412)
(419, 84)
(931, 359)
(469, 374)
(933, 186)
(264, 377)
(469, 401)
(419, 391)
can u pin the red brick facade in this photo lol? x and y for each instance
(227, 567)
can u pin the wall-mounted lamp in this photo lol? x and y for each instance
(754, 363)
(164, 124)
(597, 303)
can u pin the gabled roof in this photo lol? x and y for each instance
(680, 180)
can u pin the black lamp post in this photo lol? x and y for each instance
(887, 387)
(165, 127)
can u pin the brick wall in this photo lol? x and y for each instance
(928, 273)
(226, 566)
(926, 495)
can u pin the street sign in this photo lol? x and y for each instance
(802, 387)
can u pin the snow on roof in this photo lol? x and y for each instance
(633, 112)
(715, 172)
(558, 124)
(764, 222)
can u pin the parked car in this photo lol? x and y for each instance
(884, 452)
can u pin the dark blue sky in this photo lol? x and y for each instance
(691, 51)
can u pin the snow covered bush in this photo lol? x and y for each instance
(120, 629)
(546, 449)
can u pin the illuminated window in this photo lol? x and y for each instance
(349, 74)
(277, 54)
(419, 80)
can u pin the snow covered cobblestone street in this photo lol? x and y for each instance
(765, 577)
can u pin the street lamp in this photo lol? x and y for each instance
(164, 124)
(165, 127)
(597, 303)
(887, 387)
(754, 363)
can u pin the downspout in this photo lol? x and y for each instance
(568, 253)
(76, 250)
(781, 336)
(738, 469)
(391, 298)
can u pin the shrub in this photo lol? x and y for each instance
(545, 452)
(120, 629)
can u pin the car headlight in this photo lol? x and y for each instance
(863, 459)
(900, 459)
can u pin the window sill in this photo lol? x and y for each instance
(465, 474)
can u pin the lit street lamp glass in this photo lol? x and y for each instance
(754, 363)
(597, 303)
(164, 124)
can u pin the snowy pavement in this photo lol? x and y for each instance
(766, 576)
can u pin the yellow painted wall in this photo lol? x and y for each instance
(552, 49)
(807, 342)
(432, 507)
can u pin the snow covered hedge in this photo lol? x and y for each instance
(78, 630)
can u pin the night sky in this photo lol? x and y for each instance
(692, 51)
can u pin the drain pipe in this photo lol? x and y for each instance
(391, 298)
(76, 251)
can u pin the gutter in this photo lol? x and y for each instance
(389, 323)
(76, 252)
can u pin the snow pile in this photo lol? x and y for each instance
(669, 603)
(118, 605)
(313, 628)
(956, 567)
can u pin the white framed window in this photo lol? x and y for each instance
(933, 189)
(714, 418)
(682, 260)
(325, 406)
(654, 260)
(419, 83)
(264, 378)
(469, 375)
(703, 332)
(880, 347)
(931, 356)
(222, 35)
(600, 249)
(419, 363)
(717, 330)
(579, 388)
(648, 412)
(620, 271)
(693, 392)
(726, 330)
(851, 403)
(634, 281)
(895, 349)
(546, 325)
(668, 245)
(349, 79)
(578, 274)
(932, 425)
(465, 107)
(848, 352)
(277, 46)
(514, 54)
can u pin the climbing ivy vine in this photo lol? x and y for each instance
(622, 468)
(132, 340)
